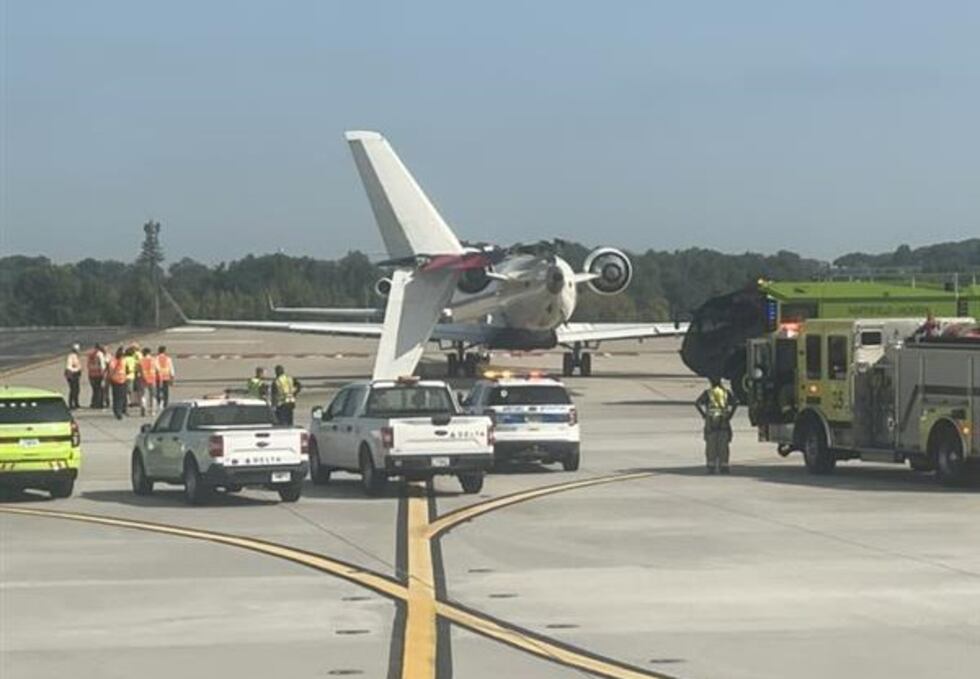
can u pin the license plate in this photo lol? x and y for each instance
(281, 477)
(440, 462)
(29, 443)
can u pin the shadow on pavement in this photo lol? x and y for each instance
(653, 403)
(20, 495)
(173, 497)
(856, 477)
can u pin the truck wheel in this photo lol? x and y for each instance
(196, 492)
(471, 483)
(291, 493)
(817, 456)
(62, 488)
(141, 484)
(319, 473)
(372, 480)
(950, 465)
(571, 460)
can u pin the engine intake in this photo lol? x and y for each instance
(473, 281)
(612, 268)
(383, 287)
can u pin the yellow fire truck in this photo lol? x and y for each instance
(887, 390)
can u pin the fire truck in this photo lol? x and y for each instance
(878, 389)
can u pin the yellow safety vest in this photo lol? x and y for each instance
(285, 390)
(717, 398)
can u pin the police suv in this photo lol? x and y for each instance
(533, 415)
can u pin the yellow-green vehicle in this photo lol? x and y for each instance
(40, 445)
(887, 390)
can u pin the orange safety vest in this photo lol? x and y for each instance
(117, 371)
(165, 369)
(148, 370)
(94, 365)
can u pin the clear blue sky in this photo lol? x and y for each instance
(821, 127)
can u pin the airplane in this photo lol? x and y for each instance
(465, 297)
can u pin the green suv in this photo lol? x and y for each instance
(39, 441)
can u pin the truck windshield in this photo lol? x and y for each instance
(409, 401)
(529, 396)
(33, 410)
(230, 415)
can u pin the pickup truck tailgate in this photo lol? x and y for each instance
(460, 436)
(260, 447)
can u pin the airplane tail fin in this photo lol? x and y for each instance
(410, 225)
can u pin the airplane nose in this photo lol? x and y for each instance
(556, 280)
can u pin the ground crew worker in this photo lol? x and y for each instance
(165, 376)
(73, 375)
(118, 383)
(284, 392)
(257, 386)
(717, 406)
(131, 360)
(96, 363)
(147, 383)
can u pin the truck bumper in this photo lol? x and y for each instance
(534, 451)
(220, 475)
(35, 478)
(422, 466)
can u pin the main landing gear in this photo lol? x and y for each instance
(576, 358)
(462, 362)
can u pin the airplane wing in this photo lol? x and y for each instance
(415, 304)
(311, 328)
(603, 332)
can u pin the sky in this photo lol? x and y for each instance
(820, 127)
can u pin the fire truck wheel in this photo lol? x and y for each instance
(818, 457)
(950, 465)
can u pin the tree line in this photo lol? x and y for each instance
(666, 285)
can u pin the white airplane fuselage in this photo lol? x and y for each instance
(535, 293)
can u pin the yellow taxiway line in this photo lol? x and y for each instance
(423, 606)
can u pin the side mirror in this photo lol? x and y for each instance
(317, 413)
(145, 428)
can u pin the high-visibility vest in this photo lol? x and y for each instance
(285, 390)
(255, 385)
(148, 370)
(165, 368)
(117, 371)
(129, 361)
(718, 399)
(95, 370)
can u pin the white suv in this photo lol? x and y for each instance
(534, 418)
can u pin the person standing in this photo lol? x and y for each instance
(118, 382)
(73, 375)
(131, 360)
(258, 386)
(147, 383)
(284, 392)
(717, 406)
(96, 364)
(165, 376)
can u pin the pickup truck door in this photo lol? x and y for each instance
(348, 428)
(328, 432)
(173, 444)
(153, 444)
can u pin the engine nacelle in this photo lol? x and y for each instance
(612, 268)
(473, 281)
(383, 287)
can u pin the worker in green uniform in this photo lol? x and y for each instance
(285, 389)
(717, 407)
(258, 386)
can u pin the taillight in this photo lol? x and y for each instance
(76, 435)
(304, 443)
(216, 446)
(491, 414)
(387, 437)
(491, 436)
(572, 416)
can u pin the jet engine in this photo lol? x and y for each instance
(383, 287)
(473, 281)
(612, 268)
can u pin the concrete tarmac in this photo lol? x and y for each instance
(659, 570)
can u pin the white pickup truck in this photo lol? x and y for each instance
(209, 444)
(408, 427)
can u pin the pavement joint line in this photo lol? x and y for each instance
(425, 606)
